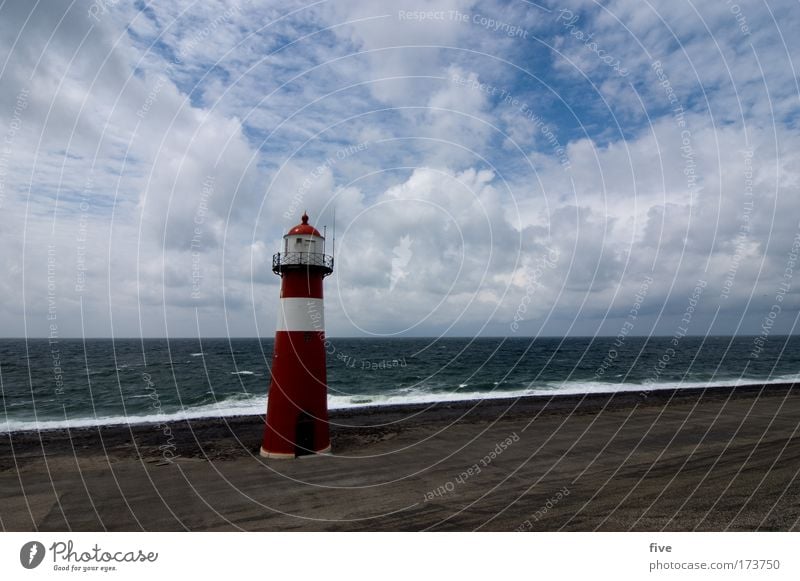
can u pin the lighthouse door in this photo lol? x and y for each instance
(304, 435)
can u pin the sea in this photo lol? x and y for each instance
(78, 383)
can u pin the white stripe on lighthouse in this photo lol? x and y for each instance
(301, 314)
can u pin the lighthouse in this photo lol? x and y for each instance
(297, 404)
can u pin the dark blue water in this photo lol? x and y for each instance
(100, 381)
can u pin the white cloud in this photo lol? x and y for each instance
(183, 174)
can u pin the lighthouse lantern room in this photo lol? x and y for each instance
(297, 405)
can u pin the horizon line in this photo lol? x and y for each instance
(654, 336)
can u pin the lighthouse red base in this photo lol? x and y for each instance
(297, 404)
(297, 408)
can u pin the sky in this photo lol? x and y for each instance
(498, 168)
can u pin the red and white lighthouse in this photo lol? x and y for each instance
(297, 405)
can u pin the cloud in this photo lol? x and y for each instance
(158, 153)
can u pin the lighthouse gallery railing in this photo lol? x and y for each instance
(282, 260)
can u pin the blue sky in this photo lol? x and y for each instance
(498, 168)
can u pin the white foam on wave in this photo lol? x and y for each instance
(256, 405)
(222, 409)
(590, 387)
(547, 389)
(243, 372)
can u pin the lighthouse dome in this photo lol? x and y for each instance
(304, 228)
